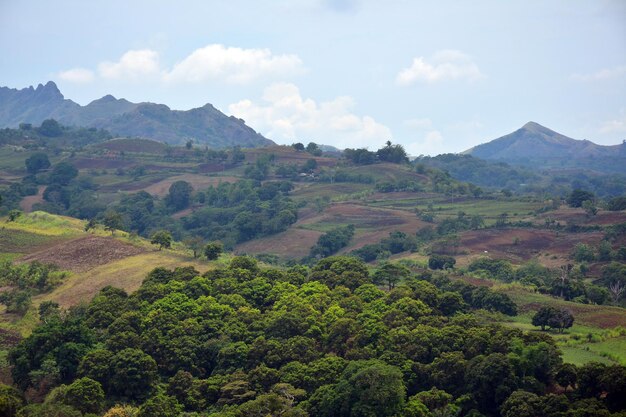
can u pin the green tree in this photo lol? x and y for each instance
(313, 149)
(590, 208)
(36, 162)
(194, 243)
(11, 400)
(583, 253)
(85, 395)
(50, 128)
(179, 195)
(213, 250)
(112, 221)
(521, 404)
(567, 375)
(160, 406)
(554, 318)
(14, 215)
(543, 316)
(490, 379)
(162, 238)
(441, 262)
(62, 173)
(133, 373)
(309, 165)
(390, 274)
(578, 196)
(371, 389)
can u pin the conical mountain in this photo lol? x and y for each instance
(536, 142)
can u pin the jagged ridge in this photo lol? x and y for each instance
(206, 124)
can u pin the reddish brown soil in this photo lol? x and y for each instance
(288, 155)
(567, 215)
(84, 253)
(549, 247)
(599, 316)
(293, 243)
(29, 201)
(102, 163)
(502, 243)
(373, 224)
(214, 167)
(133, 145)
(198, 182)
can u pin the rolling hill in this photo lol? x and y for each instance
(537, 146)
(205, 125)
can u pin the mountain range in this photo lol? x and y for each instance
(205, 125)
(532, 145)
(537, 146)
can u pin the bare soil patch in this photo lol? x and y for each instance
(288, 155)
(161, 188)
(571, 215)
(511, 244)
(292, 243)
(604, 317)
(102, 163)
(134, 145)
(29, 201)
(84, 253)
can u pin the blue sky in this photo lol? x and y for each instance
(435, 76)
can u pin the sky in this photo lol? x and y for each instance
(434, 76)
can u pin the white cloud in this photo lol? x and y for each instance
(444, 65)
(133, 64)
(431, 143)
(77, 75)
(212, 62)
(617, 125)
(429, 139)
(603, 74)
(286, 117)
(234, 65)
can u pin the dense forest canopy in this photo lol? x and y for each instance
(245, 340)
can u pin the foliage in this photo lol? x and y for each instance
(616, 204)
(577, 197)
(50, 128)
(212, 250)
(179, 195)
(162, 238)
(242, 340)
(332, 241)
(360, 156)
(62, 173)
(112, 221)
(10, 400)
(554, 318)
(441, 262)
(37, 162)
(396, 242)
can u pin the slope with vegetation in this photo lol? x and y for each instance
(243, 340)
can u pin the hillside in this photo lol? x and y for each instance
(537, 146)
(205, 125)
(517, 178)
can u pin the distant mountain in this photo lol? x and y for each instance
(537, 146)
(205, 125)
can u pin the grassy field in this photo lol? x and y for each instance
(443, 207)
(598, 333)
(38, 234)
